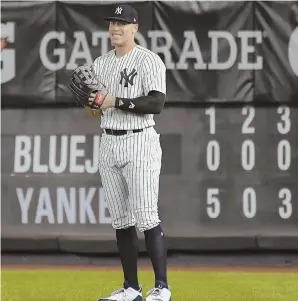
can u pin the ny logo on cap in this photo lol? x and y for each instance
(118, 10)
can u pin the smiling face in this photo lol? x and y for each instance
(122, 33)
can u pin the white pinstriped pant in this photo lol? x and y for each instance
(130, 167)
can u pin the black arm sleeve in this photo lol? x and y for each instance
(153, 103)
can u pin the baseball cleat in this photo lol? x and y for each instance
(124, 294)
(159, 294)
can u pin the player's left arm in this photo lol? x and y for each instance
(154, 84)
(3, 43)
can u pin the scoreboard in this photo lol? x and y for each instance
(249, 167)
(229, 178)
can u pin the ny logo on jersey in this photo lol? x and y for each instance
(118, 10)
(127, 78)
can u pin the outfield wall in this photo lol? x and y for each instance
(228, 132)
(52, 198)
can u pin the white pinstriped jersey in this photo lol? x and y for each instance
(133, 75)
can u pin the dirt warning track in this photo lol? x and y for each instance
(176, 262)
(146, 268)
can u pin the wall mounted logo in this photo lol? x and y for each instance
(293, 51)
(8, 56)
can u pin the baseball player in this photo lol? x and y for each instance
(127, 86)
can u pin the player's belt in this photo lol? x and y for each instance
(121, 132)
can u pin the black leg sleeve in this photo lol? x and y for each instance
(127, 242)
(155, 244)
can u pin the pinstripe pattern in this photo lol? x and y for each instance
(130, 164)
(151, 75)
(130, 167)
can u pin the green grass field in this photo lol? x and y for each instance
(75, 285)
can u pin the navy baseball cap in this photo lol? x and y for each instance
(125, 13)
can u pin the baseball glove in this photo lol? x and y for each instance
(86, 88)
